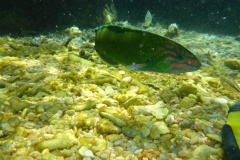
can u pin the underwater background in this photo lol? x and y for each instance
(219, 16)
(67, 93)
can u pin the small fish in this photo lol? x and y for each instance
(148, 19)
(143, 51)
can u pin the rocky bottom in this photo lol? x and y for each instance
(59, 101)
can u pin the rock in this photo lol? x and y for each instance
(229, 84)
(160, 113)
(138, 129)
(194, 140)
(186, 90)
(166, 95)
(196, 109)
(214, 82)
(132, 101)
(17, 104)
(204, 151)
(170, 119)
(72, 56)
(93, 143)
(233, 64)
(110, 102)
(159, 128)
(187, 102)
(186, 124)
(80, 107)
(59, 141)
(185, 154)
(114, 119)
(109, 91)
(142, 88)
(158, 110)
(215, 137)
(217, 100)
(105, 126)
(85, 152)
(192, 96)
(7, 128)
(133, 89)
(127, 79)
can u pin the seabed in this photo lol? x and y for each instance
(58, 100)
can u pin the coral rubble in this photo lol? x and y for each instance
(60, 101)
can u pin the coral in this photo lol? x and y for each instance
(73, 31)
(172, 31)
(109, 13)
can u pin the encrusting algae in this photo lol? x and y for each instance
(58, 104)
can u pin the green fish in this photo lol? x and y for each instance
(143, 51)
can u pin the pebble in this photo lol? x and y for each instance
(187, 102)
(17, 104)
(184, 154)
(159, 128)
(217, 100)
(29, 125)
(110, 102)
(132, 131)
(160, 113)
(121, 72)
(186, 124)
(104, 156)
(215, 137)
(194, 140)
(105, 126)
(80, 107)
(109, 91)
(138, 151)
(59, 141)
(158, 110)
(204, 151)
(233, 64)
(114, 119)
(127, 79)
(133, 89)
(170, 119)
(85, 152)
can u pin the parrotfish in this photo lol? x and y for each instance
(143, 51)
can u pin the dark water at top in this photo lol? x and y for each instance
(221, 16)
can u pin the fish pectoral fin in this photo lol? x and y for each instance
(106, 60)
(136, 66)
(140, 66)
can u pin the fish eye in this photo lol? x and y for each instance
(180, 58)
